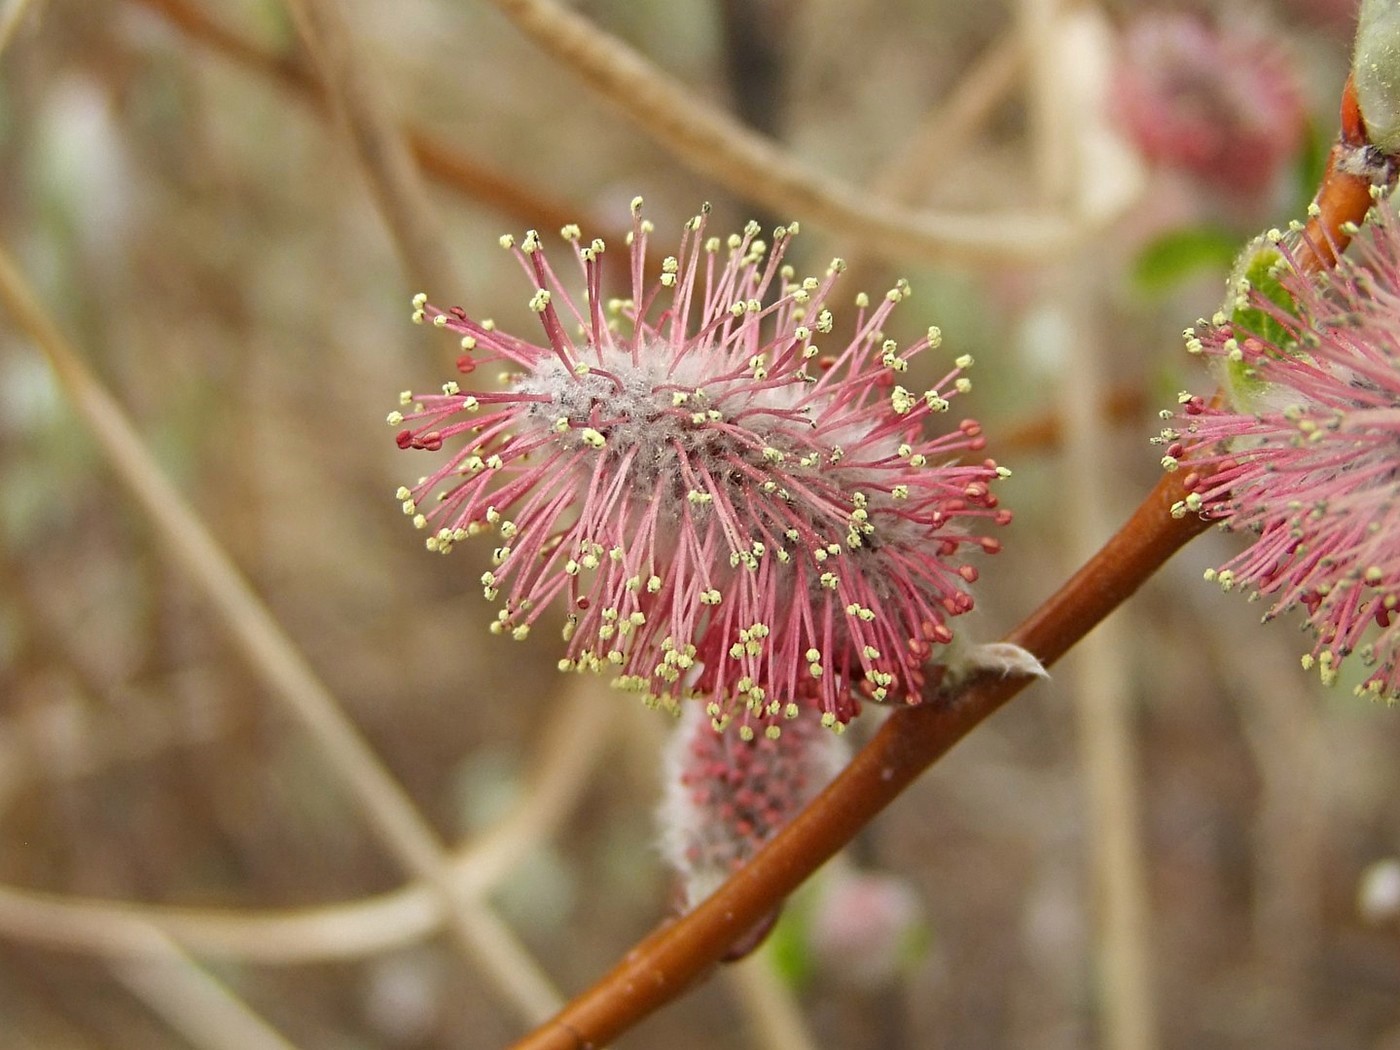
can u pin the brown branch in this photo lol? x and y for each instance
(668, 961)
(1345, 195)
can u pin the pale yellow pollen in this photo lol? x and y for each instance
(934, 402)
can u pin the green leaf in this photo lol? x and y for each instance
(1180, 254)
(788, 946)
(1257, 279)
(1262, 270)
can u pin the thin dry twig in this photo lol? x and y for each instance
(379, 146)
(1287, 734)
(572, 744)
(192, 1001)
(1069, 75)
(946, 130)
(713, 143)
(391, 813)
(772, 1010)
(13, 17)
(439, 160)
(910, 175)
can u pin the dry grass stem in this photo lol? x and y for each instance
(567, 756)
(1068, 103)
(438, 160)
(949, 129)
(379, 146)
(192, 1001)
(710, 142)
(913, 173)
(773, 1012)
(1289, 738)
(13, 17)
(390, 811)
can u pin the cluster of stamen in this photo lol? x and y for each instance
(1309, 457)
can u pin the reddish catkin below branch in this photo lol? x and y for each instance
(673, 957)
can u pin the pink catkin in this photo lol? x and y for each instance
(1218, 102)
(724, 510)
(1311, 464)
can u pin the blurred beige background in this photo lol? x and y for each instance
(207, 242)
